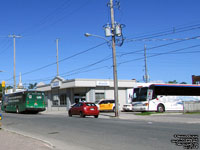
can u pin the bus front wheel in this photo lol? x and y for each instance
(160, 108)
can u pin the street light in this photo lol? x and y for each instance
(114, 71)
(113, 30)
(98, 36)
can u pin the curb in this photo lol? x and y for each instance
(46, 143)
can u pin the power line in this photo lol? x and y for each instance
(48, 17)
(79, 69)
(5, 47)
(166, 32)
(59, 18)
(128, 53)
(105, 59)
(48, 65)
(158, 54)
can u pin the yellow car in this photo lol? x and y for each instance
(106, 105)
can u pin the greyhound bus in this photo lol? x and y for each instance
(163, 97)
(24, 101)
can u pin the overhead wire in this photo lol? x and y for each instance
(5, 46)
(171, 43)
(149, 37)
(47, 18)
(58, 19)
(64, 59)
(79, 70)
(158, 54)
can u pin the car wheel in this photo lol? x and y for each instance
(160, 108)
(113, 109)
(70, 115)
(96, 116)
(82, 115)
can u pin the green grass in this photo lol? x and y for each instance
(147, 113)
(192, 113)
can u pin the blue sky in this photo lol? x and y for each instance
(147, 22)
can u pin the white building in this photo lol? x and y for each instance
(62, 93)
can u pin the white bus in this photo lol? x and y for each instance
(164, 97)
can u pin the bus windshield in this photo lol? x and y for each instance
(140, 94)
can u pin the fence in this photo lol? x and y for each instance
(191, 106)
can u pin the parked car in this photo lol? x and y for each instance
(106, 105)
(127, 107)
(84, 109)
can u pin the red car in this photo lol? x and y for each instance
(84, 109)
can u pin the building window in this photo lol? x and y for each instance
(79, 98)
(99, 96)
(63, 99)
(55, 100)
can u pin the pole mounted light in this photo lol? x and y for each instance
(98, 36)
(113, 30)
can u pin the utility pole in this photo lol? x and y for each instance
(114, 60)
(145, 60)
(14, 74)
(57, 56)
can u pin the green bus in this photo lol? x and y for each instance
(25, 101)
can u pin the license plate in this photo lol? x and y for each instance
(91, 108)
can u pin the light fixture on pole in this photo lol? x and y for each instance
(113, 30)
(88, 34)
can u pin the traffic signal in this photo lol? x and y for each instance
(3, 83)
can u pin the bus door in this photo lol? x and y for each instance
(149, 96)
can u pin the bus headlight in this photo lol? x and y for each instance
(146, 104)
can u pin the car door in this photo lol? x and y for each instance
(102, 105)
(109, 105)
(74, 109)
(79, 108)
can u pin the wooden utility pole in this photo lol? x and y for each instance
(114, 61)
(14, 74)
(57, 57)
(145, 60)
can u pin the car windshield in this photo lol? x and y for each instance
(90, 104)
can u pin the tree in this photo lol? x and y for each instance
(183, 83)
(32, 86)
(173, 82)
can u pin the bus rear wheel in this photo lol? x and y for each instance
(17, 110)
(160, 108)
(5, 109)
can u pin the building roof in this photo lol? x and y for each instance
(74, 83)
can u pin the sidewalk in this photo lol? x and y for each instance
(13, 141)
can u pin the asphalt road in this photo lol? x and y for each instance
(68, 133)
